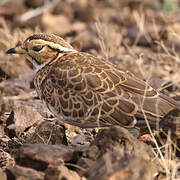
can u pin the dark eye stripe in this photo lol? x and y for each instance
(54, 49)
(37, 48)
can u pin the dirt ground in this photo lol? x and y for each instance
(139, 36)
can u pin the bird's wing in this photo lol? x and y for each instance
(98, 91)
(124, 95)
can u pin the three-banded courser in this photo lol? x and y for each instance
(88, 91)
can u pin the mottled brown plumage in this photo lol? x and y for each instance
(88, 91)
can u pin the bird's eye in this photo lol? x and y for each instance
(37, 48)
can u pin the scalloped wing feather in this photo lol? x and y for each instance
(91, 92)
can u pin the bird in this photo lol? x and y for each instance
(86, 91)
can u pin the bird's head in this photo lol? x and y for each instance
(42, 48)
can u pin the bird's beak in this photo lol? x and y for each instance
(17, 50)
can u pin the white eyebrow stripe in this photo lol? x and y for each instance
(58, 46)
(64, 49)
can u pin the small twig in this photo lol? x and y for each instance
(101, 37)
(151, 133)
(36, 12)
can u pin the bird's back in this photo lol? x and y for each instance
(90, 92)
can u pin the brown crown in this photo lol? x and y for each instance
(50, 38)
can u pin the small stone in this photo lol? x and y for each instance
(117, 138)
(18, 172)
(122, 166)
(171, 122)
(21, 117)
(48, 132)
(40, 156)
(60, 172)
(6, 160)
